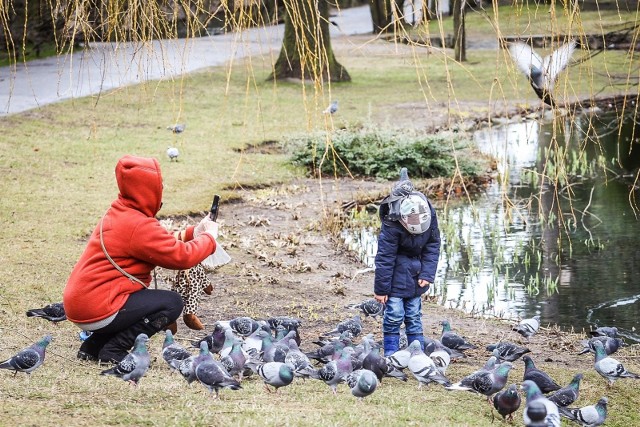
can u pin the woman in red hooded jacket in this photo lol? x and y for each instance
(107, 292)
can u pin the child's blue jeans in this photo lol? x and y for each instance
(407, 310)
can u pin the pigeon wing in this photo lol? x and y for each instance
(525, 58)
(556, 62)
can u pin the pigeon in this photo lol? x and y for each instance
(588, 416)
(177, 128)
(275, 374)
(401, 189)
(605, 331)
(215, 377)
(380, 366)
(215, 341)
(542, 73)
(353, 325)
(486, 382)
(528, 327)
(404, 340)
(423, 368)
(507, 351)
(400, 359)
(187, 367)
(172, 352)
(608, 367)
(135, 364)
(611, 345)
(335, 371)
(362, 383)
(173, 153)
(567, 395)
(507, 402)
(53, 312)
(539, 411)
(324, 353)
(288, 322)
(332, 108)
(298, 360)
(243, 326)
(439, 353)
(452, 340)
(235, 360)
(253, 342)
(272, 351)
(370, 307)
(28, 359)
(541, 378)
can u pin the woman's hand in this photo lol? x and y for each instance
(206, 225)
(381, 298)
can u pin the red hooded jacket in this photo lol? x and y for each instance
(135, 240)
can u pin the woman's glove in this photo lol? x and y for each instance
(206, 225)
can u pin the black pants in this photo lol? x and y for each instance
(146, 311)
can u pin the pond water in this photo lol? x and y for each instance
(565, 246)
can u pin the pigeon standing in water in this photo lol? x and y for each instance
(528, 327)
(173, 153)
(507, 402)
(542, 72)
(53, 312)
(370, 307)
(541, 378)
(362, 383)
(569, 394)
(332, 108)
(29, 359)
(172, 352)
(591, 416)
(609, 368)
(539, 411)
(135, 364)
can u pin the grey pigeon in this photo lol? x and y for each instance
(272, 351)
(353, 325)
(177, 128)
(234, 361)
(28, 359)
(404, 340)
(187, 367)
(439, 353)
(401, 189)
(291, 323)
(587, 416)
(611, 345)
(539, 411)
(275, 374)
(507, 402)
(542, 72)
(567, 395)
(243, 326)
(135, 364)
(400, 359)
(541, 378)
(215, 377)
(453, 340)
(298, 360)
(605, 331)
(172, 352)
(608, 367)
(52, 312)
(507, 351)
(324, 353)
(379, 365)
(335, 371)
(362, 383)
(215, 341)
(528, 327)
(423, 368)
(332, 108)
(173, 153)
(370, 307)
(486, 382)
(253, 342)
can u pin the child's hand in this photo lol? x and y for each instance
(381, 298)
(424, 283)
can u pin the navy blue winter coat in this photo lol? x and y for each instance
(404, 258)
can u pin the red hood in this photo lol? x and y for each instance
(140, 184)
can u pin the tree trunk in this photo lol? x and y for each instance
(306, 52)
(459, 34)
(381, 15)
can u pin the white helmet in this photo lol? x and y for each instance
(415, 214)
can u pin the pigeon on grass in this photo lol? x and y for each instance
(362, 383)
(507, 351)
(370, 307)
(274, 374)
(423, 368)
(177, 128)
(611, 345)
(485, 382)
(507, 401)
(544, 382)
(215, 377)
(28, 359)
(528, 327)
(380, 366)
(609, 368)
(335, 371)
(332, 108)
(587, 416)
(567, 395)
(52, 312)
(134, 365)
(453, 340)
(173, 153)
(539, 410)
(172, 352)
(353, 325)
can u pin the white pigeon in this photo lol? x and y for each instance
(173, 153)
(332, 108)
(528, 327)
(423, 368)
(542, 72)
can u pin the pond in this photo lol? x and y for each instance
(556, 234)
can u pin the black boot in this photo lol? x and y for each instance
(120, 343)
(90, 348)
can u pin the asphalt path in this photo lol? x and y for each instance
(105, 66)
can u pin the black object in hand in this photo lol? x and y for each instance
(214, 207)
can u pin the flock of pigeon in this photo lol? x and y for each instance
(269, 349)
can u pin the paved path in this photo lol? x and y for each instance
(106, 66)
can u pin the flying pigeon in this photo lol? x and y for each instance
(507, 402)
(335, 371)
(605, 331)
(507, 351)
(483, 381)
(567, 395)
(353, 325)
(53, 312)
(362, 383)
(380, 366)
(539, 411)
(423, 368)
(172, 352)
(608, 367)
(332, 108)
(453, 340)
(370, 307)
(173, 153)
(611, 345)
(528, 327)
(214, 376)
(588, 416)
(135, 364)
(177, 128)
(29, 359)
(541, 378)
(542, 73)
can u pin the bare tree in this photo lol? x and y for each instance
(459, 32)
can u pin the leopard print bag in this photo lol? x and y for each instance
(191, 284)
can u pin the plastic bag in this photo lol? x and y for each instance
(218, 258)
